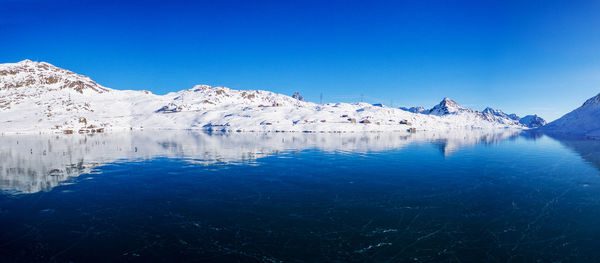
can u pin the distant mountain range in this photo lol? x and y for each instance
(39, 97)
(449, 107)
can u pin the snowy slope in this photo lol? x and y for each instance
(583, 121)
(38, 97)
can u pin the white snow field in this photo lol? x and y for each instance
(583, 121)
(37, 97)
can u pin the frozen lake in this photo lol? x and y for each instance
(376, 197)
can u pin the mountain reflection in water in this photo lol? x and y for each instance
(33, 163)
(172, 196)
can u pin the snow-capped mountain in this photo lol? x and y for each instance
(583, 121)
(448, 106)
(414, 109)
(495, 112)
(39, 97)
(532, 121)
(529, 121)
(499, 116)
(514, 116)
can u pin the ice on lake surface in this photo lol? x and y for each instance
(277, 197)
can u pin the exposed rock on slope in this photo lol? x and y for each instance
(28, 74)
(298, 96)
(414, 109)
(39, 97)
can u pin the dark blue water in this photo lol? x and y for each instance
(325, 198)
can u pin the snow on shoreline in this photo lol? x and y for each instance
(36, 97)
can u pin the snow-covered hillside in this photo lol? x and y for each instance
(38, 97)
(583, 121)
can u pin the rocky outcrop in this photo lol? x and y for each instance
(298, 96)
(414, 109)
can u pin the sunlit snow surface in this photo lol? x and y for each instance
(281, 197)
(583, 121)
(37, 97)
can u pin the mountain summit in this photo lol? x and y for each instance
(34, 75)
(446, 106)
(583, 121)
(592, 101)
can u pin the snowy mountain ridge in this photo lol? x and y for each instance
(39, 97)
(592, 101)
(532, 121)
(450, 107)
(447, 106)
(414, 109)
(499, 116)
(583, 121)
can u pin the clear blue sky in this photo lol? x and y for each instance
(524, 56)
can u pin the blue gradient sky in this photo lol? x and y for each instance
(524, 56)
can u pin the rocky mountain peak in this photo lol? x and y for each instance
(448, 101)
(43, 76)
(298, 96)
(592, 101)
(25, 61)
(446, 106)
(583, 121)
